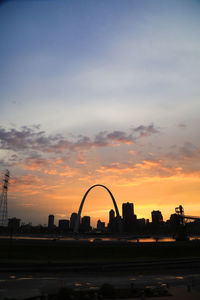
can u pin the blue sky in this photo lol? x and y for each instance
(80, 68)
(81, 63)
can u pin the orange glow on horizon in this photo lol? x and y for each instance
(147, 194)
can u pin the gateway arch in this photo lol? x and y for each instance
(76, 228)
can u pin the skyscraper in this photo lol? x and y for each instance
(73, 220)
(51, 221)
(129, 219)
(85, 223)
(111, 216)
(100, 225)
(157, 217)
(127, 211)
(63, 224)
(112, 221)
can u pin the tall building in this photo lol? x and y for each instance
(101, 225)
(72, 222)
(127, 211)
(63, 224)
(156, 216)
(85, 223)
(112, 226)
(129, 219)
(51, 221)
(111, 216)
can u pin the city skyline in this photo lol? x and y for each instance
(100, 92)
(156, 217)
(74, 214)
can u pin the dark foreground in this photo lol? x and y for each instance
(75, 251)
(31, 268)
(59, 285)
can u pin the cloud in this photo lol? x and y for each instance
(118, 168)
(80, 160)
(26, 180)
(145, 130)
(188, 150)
(182, 125)
(3, 163)
(28, 205)
(66, 171)
(187, 153)
(120, 137)
(33, 164)
(132, 152)
(143, 169)
(30, 139)
(105, 138)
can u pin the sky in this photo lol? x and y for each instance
(100, 92)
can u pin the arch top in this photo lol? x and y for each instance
(101, 185)
(76, 229)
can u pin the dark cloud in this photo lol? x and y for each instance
(104, 138)
(101, 139)
(121, 137)
(32, 140)
(145, 130)
(19, 140)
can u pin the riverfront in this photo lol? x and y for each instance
(75, 251)
(34, 267)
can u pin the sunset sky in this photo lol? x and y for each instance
(100, 91)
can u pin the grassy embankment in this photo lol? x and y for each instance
(63, 252)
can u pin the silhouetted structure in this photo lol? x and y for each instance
(129, 219)
(76, 229)
(14, 224)
(73, 219)
(181, 230)
(63, 225)
(111, 216)
(85, 224)
(51, 221)
(174, 220)
(3, 200)
(112, 221)
(157, 217)
(101, 226)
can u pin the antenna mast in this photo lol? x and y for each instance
(4, 200)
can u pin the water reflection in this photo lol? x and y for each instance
(99, 239)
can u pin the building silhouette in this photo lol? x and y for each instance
(129, 218)
(63, 225)
(73, 219)
(85, 224)
(101, 226)
(111, 216)
(157, 217)
(51, 221)
(112, 226)
(127, 211)
(14, 224)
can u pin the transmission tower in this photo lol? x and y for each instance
(3, 200)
